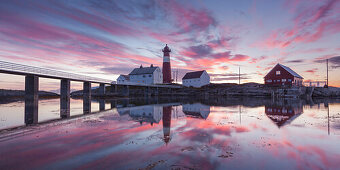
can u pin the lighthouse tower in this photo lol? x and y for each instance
(166, 65)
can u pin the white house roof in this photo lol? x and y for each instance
(143, 70)
(291, 71)
(193, 75)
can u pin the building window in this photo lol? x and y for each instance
(144, 76)
(150, 75)
(278, 73)
(269, 80)
(283, 80)
(274, 80)
(278, 80)
(289, 80)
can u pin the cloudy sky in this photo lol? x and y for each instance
(107, 38)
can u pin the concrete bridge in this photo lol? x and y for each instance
(32, 75)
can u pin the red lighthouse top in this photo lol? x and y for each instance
(166, 48)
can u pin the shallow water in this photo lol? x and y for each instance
(210, 134)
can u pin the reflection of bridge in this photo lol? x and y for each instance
(32, 75)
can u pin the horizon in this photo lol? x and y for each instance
(107, 39)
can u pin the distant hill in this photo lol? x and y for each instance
(57, 91)
(21, 93)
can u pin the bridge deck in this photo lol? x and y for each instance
(20, 69)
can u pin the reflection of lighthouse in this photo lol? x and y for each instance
(166, 123)
(166, 65)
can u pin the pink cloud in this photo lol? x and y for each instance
(308, 27)
(255, 60)
(312, 71)
(187, 18)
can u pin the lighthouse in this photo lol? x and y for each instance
(166, 65)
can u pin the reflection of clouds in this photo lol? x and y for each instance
(116, 142)
(307, 155)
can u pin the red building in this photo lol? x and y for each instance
(282, 75)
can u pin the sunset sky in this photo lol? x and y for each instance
(107, 38)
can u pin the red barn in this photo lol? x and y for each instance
(282, 75)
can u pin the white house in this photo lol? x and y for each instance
(123, 79)
(196, 110)
(146, 75)
(196, 79)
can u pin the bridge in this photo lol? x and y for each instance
(32, 75)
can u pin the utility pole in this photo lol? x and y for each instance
(327, 72)
(239, 75)
(176, 75)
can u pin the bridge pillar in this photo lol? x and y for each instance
(31, 99)
(102, 89)
(87, 97)
(65, 98)
(101, 104)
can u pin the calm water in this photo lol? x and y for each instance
(210, 134)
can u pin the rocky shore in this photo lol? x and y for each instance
(261, 90)
(227, 90)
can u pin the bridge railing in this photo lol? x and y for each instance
(25, 69)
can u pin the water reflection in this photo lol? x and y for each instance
(148, 113)
(31, 109)
(196, 110)
(155, 113)
(166, 123)
(282, 112)
(205, 134)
